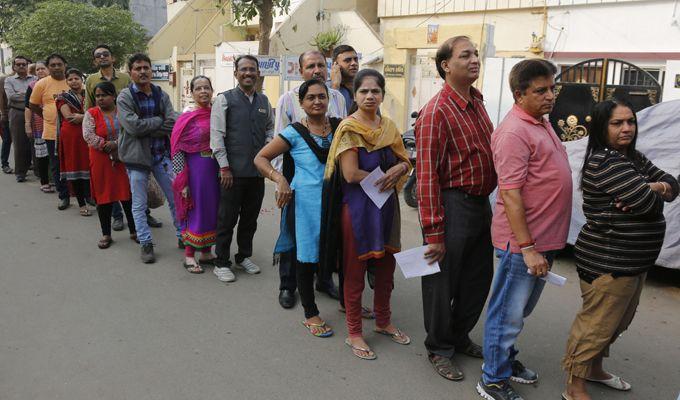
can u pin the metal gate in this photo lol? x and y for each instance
(579, 87)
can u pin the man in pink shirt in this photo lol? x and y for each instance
(530, 222)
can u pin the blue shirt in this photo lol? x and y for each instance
(349, 97)
(147, 108)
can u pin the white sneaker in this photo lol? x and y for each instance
(249, 266)
(224, 274)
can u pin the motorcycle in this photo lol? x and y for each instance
(409, 139)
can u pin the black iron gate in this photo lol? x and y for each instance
(580, 86)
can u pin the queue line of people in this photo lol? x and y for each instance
(211, 162)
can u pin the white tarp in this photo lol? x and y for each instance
(659, 140)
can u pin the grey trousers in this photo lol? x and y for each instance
(21, 142)
(453, 299)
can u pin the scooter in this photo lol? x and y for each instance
(409, 138)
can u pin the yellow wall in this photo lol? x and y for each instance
(400, 45)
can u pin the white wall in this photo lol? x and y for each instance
(496, 88)
(670, 92)
(224, 71)
(614, 27)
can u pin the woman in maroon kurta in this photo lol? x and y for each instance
(108, 178)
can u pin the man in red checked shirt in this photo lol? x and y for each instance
(455, 177)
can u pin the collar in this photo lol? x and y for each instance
(457, 98)
(20, 78)
(244, 93)
(135, 89)
(521, 114)
(113, 77)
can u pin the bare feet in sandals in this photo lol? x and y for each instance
(360, 348)
(192, 266)
(395, 334)
(317, 327)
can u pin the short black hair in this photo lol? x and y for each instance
(101, 46)
(343, 48)
(76, 71)
(55, 55)
(197, 77)
(304, 88)
(107, 87)
(445, 51)
(137, 57)
(28, 60)
(309, 53)
(246, 57)
(526, 71)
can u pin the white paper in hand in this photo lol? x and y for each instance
(557, 280)
(373, 192)
(413, 263)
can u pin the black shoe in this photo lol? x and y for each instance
(7, 169)
(64, 204)
(21, 178)
(471, 350)
(148, 256)
(522, 374)
(153, 222)
(287, 298)
(180, 244)
(118, 224)
(497, 391)
(332, 291)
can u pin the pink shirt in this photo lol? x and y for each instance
(528, 156)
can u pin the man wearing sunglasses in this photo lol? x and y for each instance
(104, 60)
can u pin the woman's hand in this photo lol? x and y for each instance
(110, 147)
(76, 119)
(536, 262)
(185, 192)
(392, 176)
(283, 192)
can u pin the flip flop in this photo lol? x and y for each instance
(193, 268)
(565, 396)
(370, 355)
(397, 337)
(85, 212)
(614, 382)
(104, 243)
(310, 326)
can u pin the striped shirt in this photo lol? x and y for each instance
(453, 143)
(615, 241)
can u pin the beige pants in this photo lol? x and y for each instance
(609, 305)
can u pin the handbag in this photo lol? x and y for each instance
(155, 196)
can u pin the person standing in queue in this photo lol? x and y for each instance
(289, 111)
(241, 122)
(15, 88)
(455, 177)
(146, 120)
(34, 129)
(4, 129)
(344, 69)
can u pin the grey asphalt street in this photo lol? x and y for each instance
(77, 323)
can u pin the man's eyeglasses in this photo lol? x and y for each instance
(20, 64)
(103, 54)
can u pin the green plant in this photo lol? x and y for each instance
(326, 41)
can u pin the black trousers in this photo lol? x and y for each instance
(453, 299)
(81, 188)
(21, 142)
(305, 282)
(6, 144)
(104, 212)
(43, 165)
(62, 188)
(240, 204)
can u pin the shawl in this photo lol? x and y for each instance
(188, 137)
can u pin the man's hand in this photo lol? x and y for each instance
(536, 262)
(435, 253)
(29, 130)
(336, 76)
(226, 178)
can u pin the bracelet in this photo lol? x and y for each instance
(527, 247)
(271, 173)
(526, 244)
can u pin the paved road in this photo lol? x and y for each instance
(77, 322)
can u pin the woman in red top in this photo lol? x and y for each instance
(109, 181)
(74, 164)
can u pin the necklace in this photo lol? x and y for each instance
(325, 130)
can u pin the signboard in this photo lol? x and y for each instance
(160, 72)
(394, 70)
(291, 70)
(269, 65)
(432, 34)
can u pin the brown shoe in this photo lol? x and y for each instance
(446, 367)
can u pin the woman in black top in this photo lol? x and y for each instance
(623, 196)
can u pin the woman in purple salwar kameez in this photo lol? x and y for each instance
(196, 185)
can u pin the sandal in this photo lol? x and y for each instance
(193, 268)
(85, 212)
(47, 189)
(366, 313)
(104, 243)
(318, 330)
(397, 337)
(445, 367)
(615, 382)
(364, 354)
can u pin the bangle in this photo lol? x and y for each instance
(271, 173)
(526, 244)
(527, 247)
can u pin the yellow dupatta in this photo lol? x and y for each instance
(352, 134)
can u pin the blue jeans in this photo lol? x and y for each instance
(514, 294)
(139, 181)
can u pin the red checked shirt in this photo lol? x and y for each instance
(453, 142)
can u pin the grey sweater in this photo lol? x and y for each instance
(134, 147)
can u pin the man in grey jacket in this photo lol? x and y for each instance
(241, 122)
(146, 119)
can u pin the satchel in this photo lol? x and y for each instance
(155, 196)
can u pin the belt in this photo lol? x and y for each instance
(468, 196)
(17, 108)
